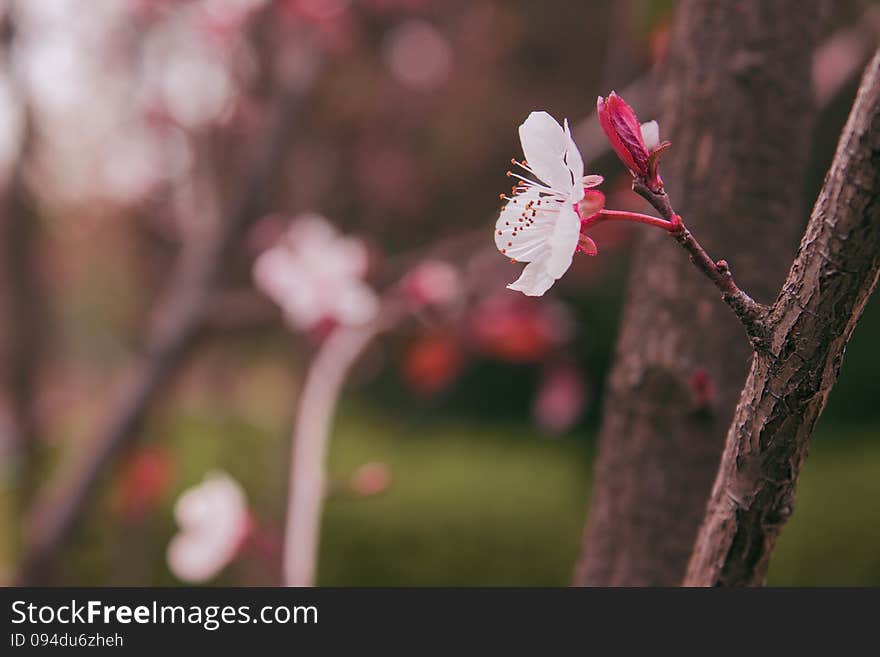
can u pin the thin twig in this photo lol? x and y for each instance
(750, 313)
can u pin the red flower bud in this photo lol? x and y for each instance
(624, 132)
(627, 138)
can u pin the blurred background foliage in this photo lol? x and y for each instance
(407, 121)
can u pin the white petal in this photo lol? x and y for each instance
(197, 557)
(533, 233)
(534, 280)
(541, 273)
(575, 164)
(213, 519)
(186, 559)
(303, 306)
(563, 242)
(651, 134)
(219, 495)
(514, 208)
(311, 228)
(544, 145)
(341, 257)
(355, 304)
(353, 253)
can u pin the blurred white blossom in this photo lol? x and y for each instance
(213, 520)
(97, 80)
(186, 73)
(315, 274)
(77, 87)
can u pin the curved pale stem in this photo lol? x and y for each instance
(311, 436)
(308, 452)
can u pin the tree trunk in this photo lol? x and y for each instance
(835, 272)
(738, 110)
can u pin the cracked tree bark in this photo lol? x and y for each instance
(835, 272)
(737, 99)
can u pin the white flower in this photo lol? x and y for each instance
(539, 224)
(314, 274)
(213, 520)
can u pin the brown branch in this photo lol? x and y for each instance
(749, 312)
(179, 320)
(736, 104)
(835, 272)
(239, 310)
(24, 299)
(24, 307)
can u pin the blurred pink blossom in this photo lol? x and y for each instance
(519, 329)
(143, 481)
(213, 520)
(315, 275)
(560, 399)
(371, 479)
(418, 54)
(431, 363)
(432, 282)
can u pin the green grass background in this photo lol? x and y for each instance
(470, 504)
